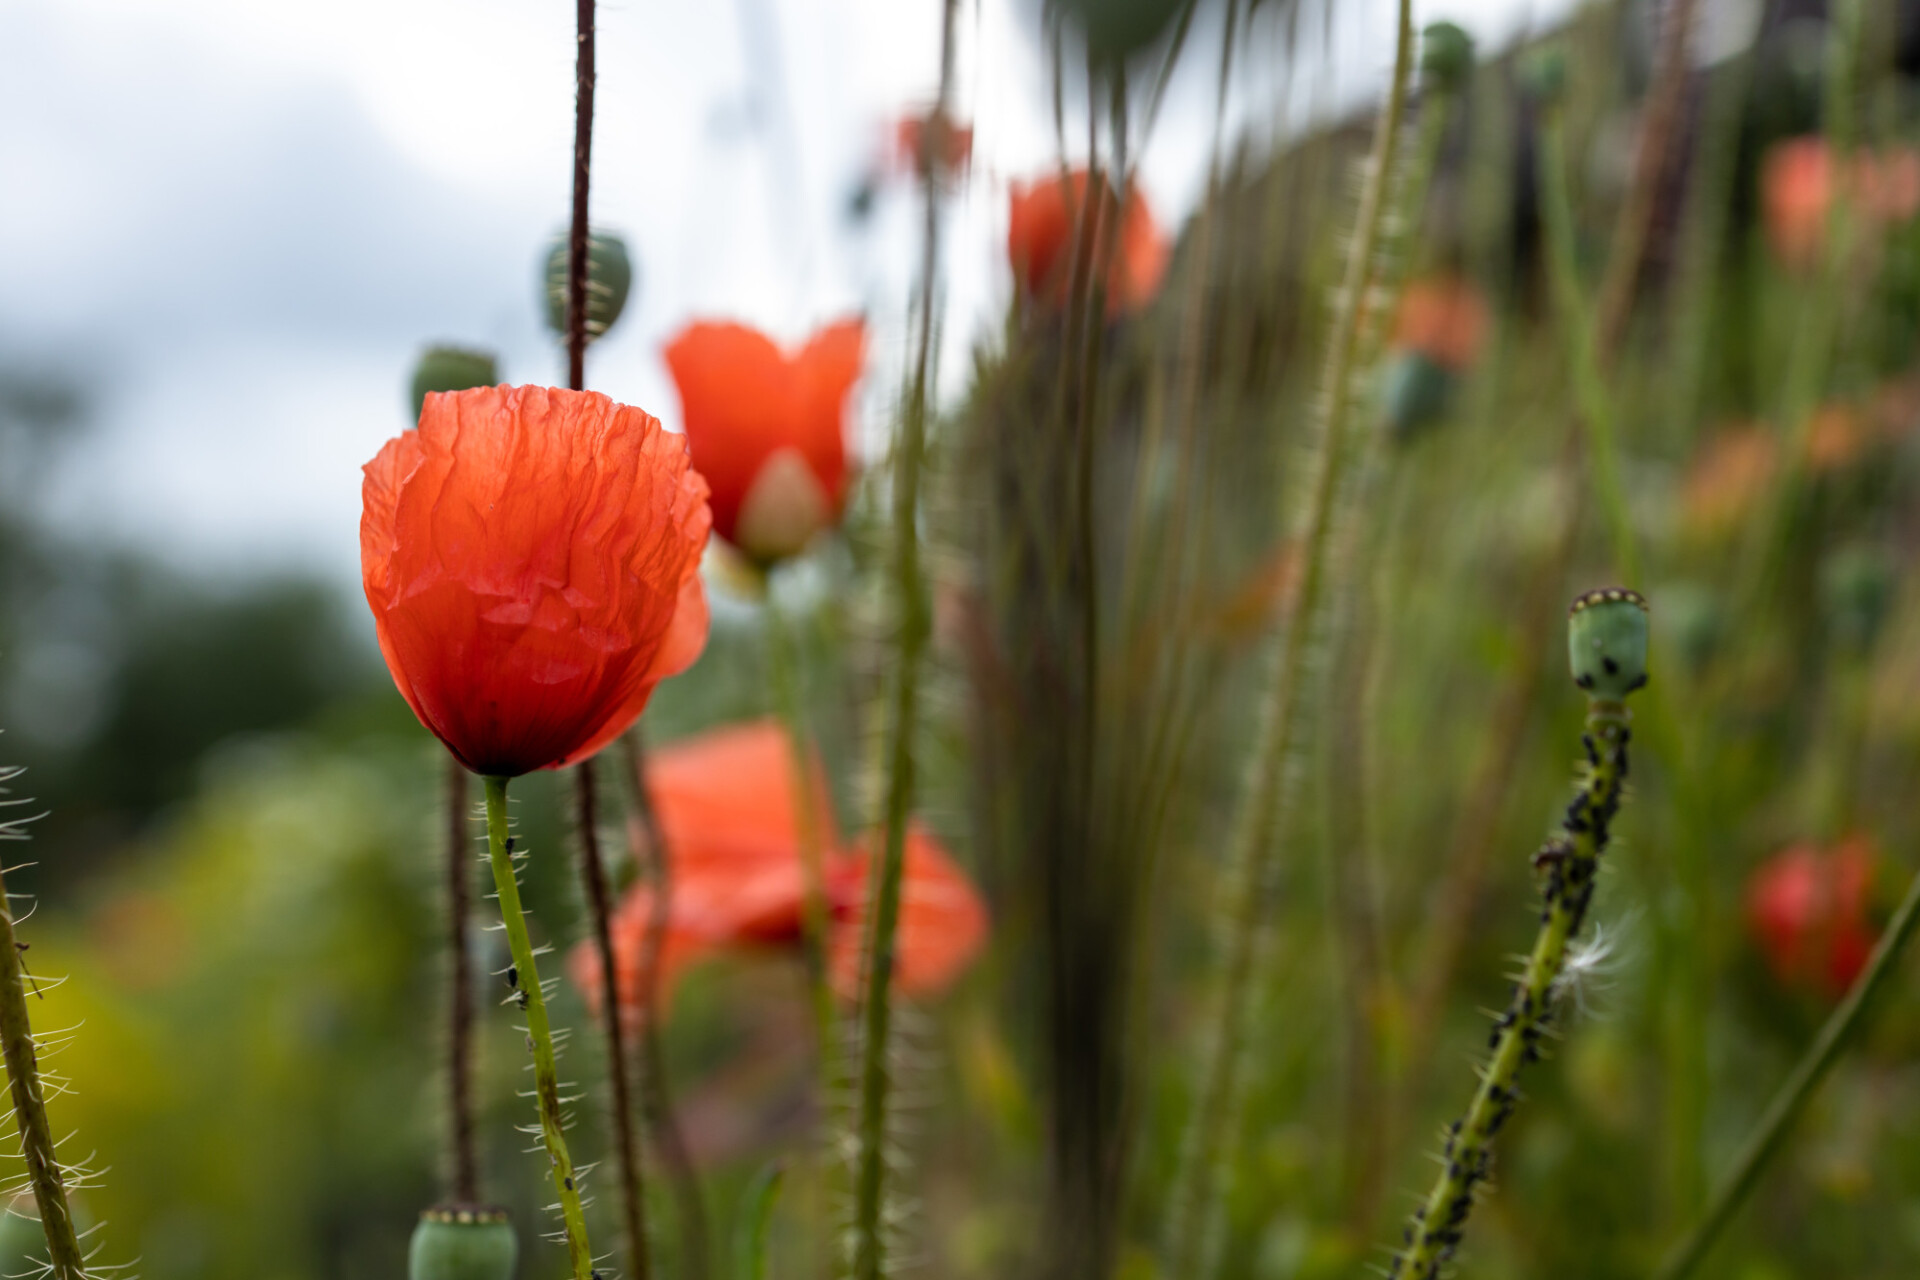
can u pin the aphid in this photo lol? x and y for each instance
(520, 998)
(513, 975)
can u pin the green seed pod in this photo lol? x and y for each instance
(1446, 56)
(1856, 590)
(1115, 30)
(463, 1242)
(1607, 642)
(1414, 391)
(609, 280)
(1692, 623)
(1544, 74)
(451, 369)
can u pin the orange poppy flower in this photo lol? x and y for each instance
(532, 560)
(1040, 235)
(932, 140)
(728, 809)
(1808, 910)
(1798, 183)
(768, 429)
(1729, 473)
(1444, 319)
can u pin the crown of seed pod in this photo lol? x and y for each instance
(445, 368)
(1446, 56)
(609, 281)
(463, 1243)
(1607, 642)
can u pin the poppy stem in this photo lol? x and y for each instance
(869, 1253)
(783, 658)
(593, 873)
(1266, 805)
(1569, 862)
(656, 1095)
(1792, 1099)
(463, 1168)
(546, 1074)
(21, 1051)
(577, 241)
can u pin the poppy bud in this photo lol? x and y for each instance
(609, 280)
(1544, 74)
(451, 369)
(1446, 56)
(1693, 622)
(463, 1243)
(1607, 642)
(1856, 588)
(1414, 390)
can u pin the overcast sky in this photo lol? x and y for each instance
(244, 219)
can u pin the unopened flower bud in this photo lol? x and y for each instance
(451, 369)
(1446, 56)
(463, 1243)
(609, 280)
(1544, 74)
(1607, 642)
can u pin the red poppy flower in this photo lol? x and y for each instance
(768, 429)
(1444, 319)
(931, 140)
(531, 557)
(728, 811)
(1040, 235)
(1807, 908)
(1798, 182)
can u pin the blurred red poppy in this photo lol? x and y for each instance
(1040, 235)
(1443, 318)
(1808, 909)
(932, 141)
(1798, 183)
(727, 803)
(768, 429)
(532, 560)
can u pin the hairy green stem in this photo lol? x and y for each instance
(1766, 1138)
(44, 1174)
(546, 1074)
(1266, 800)
(593, 874)
(1569, 862)
(463, 1166)
(869, 1245)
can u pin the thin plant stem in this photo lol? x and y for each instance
(577, 237)
(869, 1256)
(649, 845)
(593, 874)
(546, 1072)
(1264, 805)
(1570, 862)
(1582, 342)
(1768, 1135)
(783, 661)
(21, 1051)
(463, 1166)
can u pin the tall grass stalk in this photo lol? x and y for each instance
(46, 1178)
(914, 625)
(1266, 802)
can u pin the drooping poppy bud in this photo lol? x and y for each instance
(1607, 642)
(1116, 30)
(768, 429)
(609, 281)
(1041, 224)
(932, 142)
(463, 1244)
(1808, 910)
(531, 558)
(444, 368)
(1856, 589)
(1446, 56)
